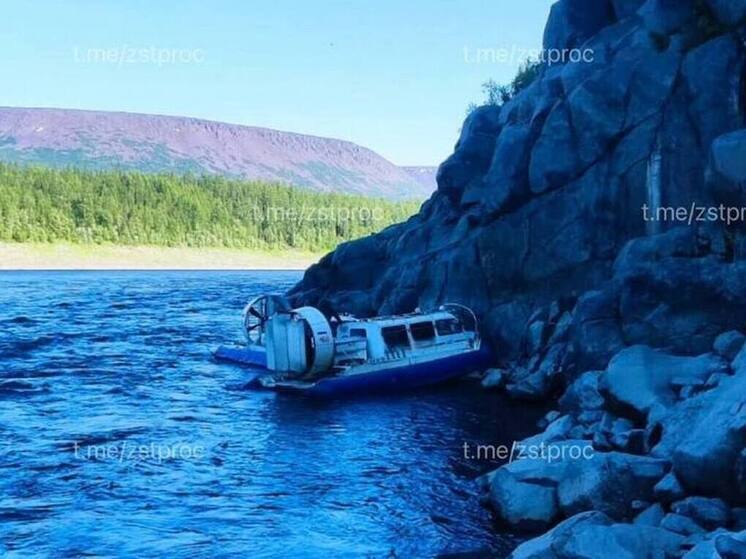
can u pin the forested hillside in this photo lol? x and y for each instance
(131, 208)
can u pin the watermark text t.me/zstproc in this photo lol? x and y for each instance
(517, 55)
(542, 451)
(129, 452)
(124, 55)
(695, 213)
(306, 214)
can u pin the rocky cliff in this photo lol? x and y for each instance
(587, 221)
(553, 194)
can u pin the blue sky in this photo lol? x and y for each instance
(390, 75)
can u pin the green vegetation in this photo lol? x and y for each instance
(527, 74)
(497, 94)
(45, 205)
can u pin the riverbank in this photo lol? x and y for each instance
(33, 256)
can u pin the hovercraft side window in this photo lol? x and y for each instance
(422, 331)
(396, 337)
(448, 326)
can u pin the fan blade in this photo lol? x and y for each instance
(256, 313)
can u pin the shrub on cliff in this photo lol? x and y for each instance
(499, 94)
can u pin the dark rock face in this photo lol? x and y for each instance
(473, 152)
(626, 8)
(542, 195)
(728, 12)
(572, 22)
(667, 16)
(726, 173)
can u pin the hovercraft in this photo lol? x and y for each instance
(302, 350)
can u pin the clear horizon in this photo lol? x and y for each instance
(396, 79)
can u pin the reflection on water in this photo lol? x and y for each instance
(123, 438)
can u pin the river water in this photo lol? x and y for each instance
(121, 437)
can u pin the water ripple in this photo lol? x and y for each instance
(124, 438)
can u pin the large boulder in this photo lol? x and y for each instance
(730, 546)
(591, 535)
(494, 379)
(729, 344)
(651, 516)
(549, 481)
(668, 489)
(582, 395)
(704, 436)
(522, 502)
(641, 378)
(720, 544)
(708, 513)
(681, 525)
(543, 375)
(610, 483)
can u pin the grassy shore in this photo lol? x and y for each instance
(59, 256)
